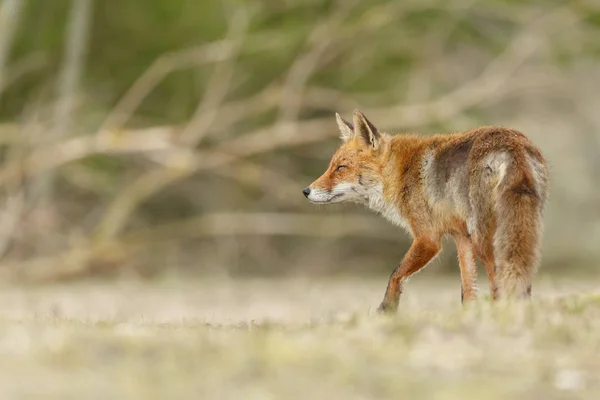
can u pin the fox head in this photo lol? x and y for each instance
(355, 170)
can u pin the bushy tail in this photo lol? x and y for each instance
(520, 203)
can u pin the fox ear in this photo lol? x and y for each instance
(345, 127)
(365, 130)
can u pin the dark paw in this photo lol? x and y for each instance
(387, 309)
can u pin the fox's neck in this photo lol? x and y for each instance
(397, 158)
(389, 175)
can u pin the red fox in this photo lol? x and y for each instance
(486, 187)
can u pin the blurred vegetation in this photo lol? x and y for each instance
(194, 125)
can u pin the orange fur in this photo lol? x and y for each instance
(486, 187)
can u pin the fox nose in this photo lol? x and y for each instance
(306, 192)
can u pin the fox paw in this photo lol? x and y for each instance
(387, 309)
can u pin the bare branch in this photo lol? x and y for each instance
(76, 38)
(10, 13)
(303, 67)
(213, 52)
(218, 84)
(78, 260)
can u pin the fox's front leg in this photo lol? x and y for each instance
(420, 253)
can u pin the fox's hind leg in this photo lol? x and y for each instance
(484, 250)
(487, 258)
(468, 268)
(483, 223)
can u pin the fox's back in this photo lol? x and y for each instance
(453, 171)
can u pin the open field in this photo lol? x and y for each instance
(295, 339)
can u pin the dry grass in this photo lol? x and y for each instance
(295, 339)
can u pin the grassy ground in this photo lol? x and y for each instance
(295, 339)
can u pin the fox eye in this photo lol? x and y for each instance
(340, 167)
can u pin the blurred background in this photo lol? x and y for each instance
(154, 138)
